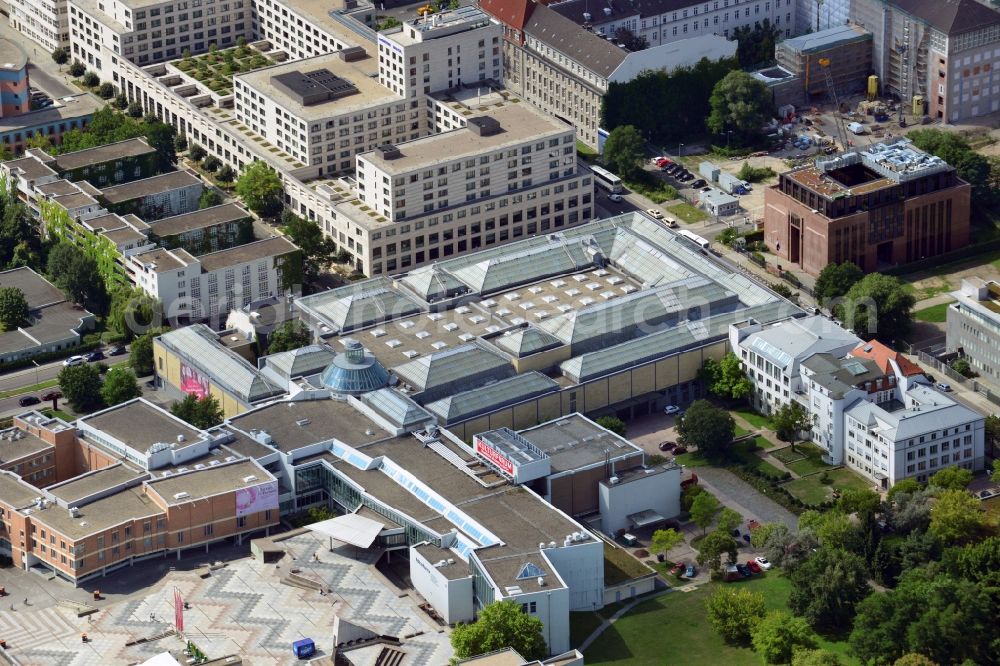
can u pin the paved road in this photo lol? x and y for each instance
(50, 84)
(30, 376)
(737, 494)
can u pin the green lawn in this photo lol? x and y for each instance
(674, 629)
(812, 492)
(935, 314)
(30, 389)
(651, 187)
(806, 459)
(59, 414)
(685, 212)
(753, 418)
(582, 625)
(742, 454)
(739, 432)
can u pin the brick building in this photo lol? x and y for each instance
(884, 205)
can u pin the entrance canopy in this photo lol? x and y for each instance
(350, 528)
(645, 518)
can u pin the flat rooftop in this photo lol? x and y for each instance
(140, 425)
(446, 23)
(16, 444)
(127, 505)
(64, 108)
(826, 39)
(162, 259)
(359, 73)
(30, 167)
(16, 492)
(138, 189)
(37, 290)
(519, 123)
(209, 481)
(14, 57)
(102, 154)
(269, 247)
(575, 442)
(294, 424)
(199, 219)
(86, 485)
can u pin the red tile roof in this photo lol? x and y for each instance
(512, 13)
(881, 354)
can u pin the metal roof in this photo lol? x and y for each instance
(452, 370)
(397, 408)
(525, 341)
(358, 305)
(469, 404)
(433, 283)
(300, 362)
(355, 371)
(549, 255)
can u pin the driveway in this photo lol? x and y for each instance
(735, 493)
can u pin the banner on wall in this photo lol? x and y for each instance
(256, 498)
(178, 610)
(194, 382)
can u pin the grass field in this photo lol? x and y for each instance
(582, 625)
(753, 418)
(739, 432)
(742, 453)
(806, 459)
(674, 629)
(935, 314)
(30, 389)
(812, 492)
(687, 213)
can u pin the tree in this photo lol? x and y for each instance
(163, 138)
(816, 658)
(318, 249)
(952, 478)
(81, 386)
(789, 420)
(914, 659)
(120, 102)
(119, 385)
(60, 56)
(77, 69)
(729, 520)
(726, 378)
(760, 534)
(787, 549)
(971, 166)
(134, 109)
(180, 142)
(995, 474)
(911, 511)
(708, 428)
(624, 151)
(877, 306)
(202, 413)
(132, 312)
(225, 174)
(956, 517)
(963, 367)
(741, 104)
(733, 612)
(861, 501)
(196, 152)
(835, 280)
(827, 586)
(688, 496)
(703, 510)
(664, 541)
(13, 308)
(630, 40)
(612, 423)
(713, 546)
(907, 486)
(501, 625)
(211, 163)
(291, 334)
(141, 354)
(993, 429)
(78, 275)
(756, 46)
(91, 79)
(209, 197)
(778, 635)
(107, 90)
(260, 188)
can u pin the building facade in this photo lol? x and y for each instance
(973, 328)
(45, 23)
(14, 98)
(69, 113)
(885, 205)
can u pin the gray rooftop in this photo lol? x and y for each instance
(293, 424)
(484, 400)
(199, 219)
(795, 340)
(826, 39)
(209, 481)
(16, 444)
(840, 375)
(565, 36)
(241, 254)
(86, 485)
(102, 154)
(575, 442)
(926, 410)
(139, 189)
(141, 425)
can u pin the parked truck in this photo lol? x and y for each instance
(708, 171)
(730, 184)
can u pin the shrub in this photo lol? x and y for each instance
(825, 479)
(77, 68)
(196, 152)
(753, 174)
(91, 79)
(211, 163)
(106, 91)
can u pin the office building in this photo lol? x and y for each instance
(65, 114)
(938, 58)
(45, 23)
(973, 328)
(165, 195)
(886, 204)
(14, 98)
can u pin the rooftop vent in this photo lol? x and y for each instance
(607, 11)
(484, 126)
(303, 422)
(587, 17)
(249, 479)
(308, 88)
(388, 151)
(181, 439)
(180, 495)
(351, 54)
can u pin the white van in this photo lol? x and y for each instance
(856, 128)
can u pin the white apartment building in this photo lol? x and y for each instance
(441, 51)
(664, 21)
(772, 355)
(45, 22)
(309, 28)
(209, 286)
(325, 110)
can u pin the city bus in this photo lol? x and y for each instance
(694, 238)
(607, 180)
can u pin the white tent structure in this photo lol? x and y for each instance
(349, 528)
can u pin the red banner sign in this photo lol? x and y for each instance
(178, 610)
(494, 456)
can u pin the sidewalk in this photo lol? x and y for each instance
(614, 618)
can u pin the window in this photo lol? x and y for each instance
(209, 530)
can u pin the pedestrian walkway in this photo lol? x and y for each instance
(614, 618)
(772, 439)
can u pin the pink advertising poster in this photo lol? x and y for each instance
(256, 498)
(194, 382)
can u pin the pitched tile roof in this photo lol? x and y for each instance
(512, 13)
(882, 355)
(952, 17)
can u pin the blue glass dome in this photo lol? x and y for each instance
(355, 371)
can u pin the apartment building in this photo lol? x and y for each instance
(14, 99)
(939, 58)
(310, 28)
(325, 110)
(123, 485)
(507, 175)
(664, 21)
(973, 328)
(45, 22)
(207, 230)
(886, 204)
(209, 286)
(441, 51)
(564, 69)
(151, 31)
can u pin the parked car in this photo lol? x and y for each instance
(731, 574)
(671, 409)
(655, 214)
(51, 395)
(95, 356)
(691, 571)
(743, 571)
(614, 196)
(680, 450)
(762, 562)
(28, 400)
(944, 387)
(746, 537)
(73, 360)
(677, 569)
(667, 446)
(672, 224)
(698, 183)
(736, 533)
(118, 350)
(754, 567)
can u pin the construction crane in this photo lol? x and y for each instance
(824, 64)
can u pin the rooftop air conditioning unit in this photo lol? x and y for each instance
(249, 479)
(181, 495)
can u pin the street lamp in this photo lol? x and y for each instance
(729, 135)
(679, 146)
(35, 363)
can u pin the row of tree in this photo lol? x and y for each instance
(872, 305)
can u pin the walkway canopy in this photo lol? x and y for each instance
(349, 528)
